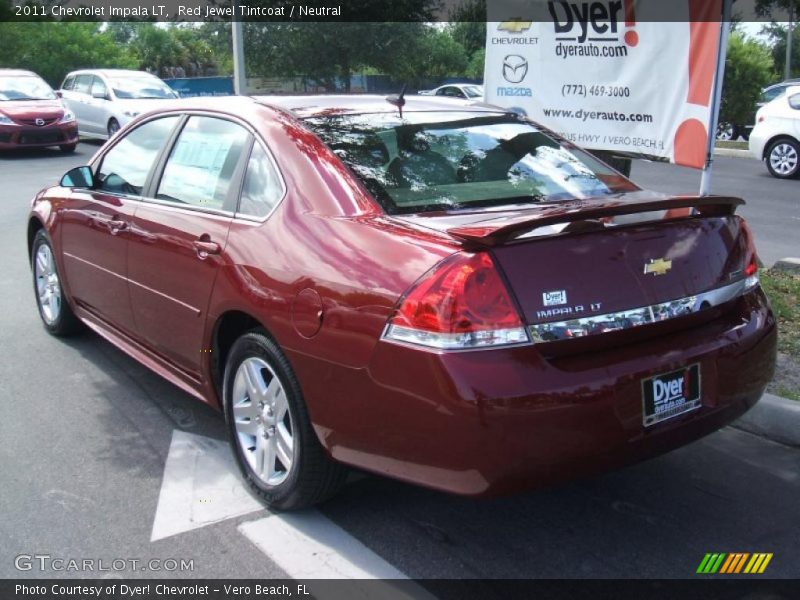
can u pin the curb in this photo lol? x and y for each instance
(788, 265)
(733, 152)
(774, 418)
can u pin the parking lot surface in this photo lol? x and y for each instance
(101, 459)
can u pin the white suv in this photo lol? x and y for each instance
(776, 135)
(104, 100)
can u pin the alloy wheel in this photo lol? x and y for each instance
(263, 422)
(48, 287)
(783, 159)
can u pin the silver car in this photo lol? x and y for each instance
(104, 100)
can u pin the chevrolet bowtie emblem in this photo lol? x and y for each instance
(514, 26)
(657, 266)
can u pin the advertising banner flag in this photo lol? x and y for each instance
(603, 76)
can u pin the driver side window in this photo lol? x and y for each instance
(125, 167)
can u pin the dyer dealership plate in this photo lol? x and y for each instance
(670, 394)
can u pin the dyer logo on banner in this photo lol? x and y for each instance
(612, 74)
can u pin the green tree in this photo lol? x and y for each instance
(468, 25)
(777, 36)
(52, 49)
(475, 67)
(748, 68)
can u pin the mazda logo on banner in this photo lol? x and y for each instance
(515, 67)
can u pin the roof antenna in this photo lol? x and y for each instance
(398, 100)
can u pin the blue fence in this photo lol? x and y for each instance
(188, 87)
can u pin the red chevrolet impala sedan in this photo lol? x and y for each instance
(444, 293)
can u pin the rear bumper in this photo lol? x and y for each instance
(499, 421)
(14, 137)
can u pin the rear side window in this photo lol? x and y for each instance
(262, 189)
(125, 167)
(202, 163)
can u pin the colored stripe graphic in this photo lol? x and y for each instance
(728, 564)
(758, 563)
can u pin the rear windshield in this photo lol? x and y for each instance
(431, 161)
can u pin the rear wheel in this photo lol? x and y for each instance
(68, 148)
(783, 159)
(272, 438)
(55, 311)
(113, 127)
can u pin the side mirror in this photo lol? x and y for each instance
(79, 177)
(59, 94)
(100, 95)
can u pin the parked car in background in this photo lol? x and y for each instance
(31, 115)
(104, 100)
(730, 131)
(464, 91)
(398, 291)
(776, 136)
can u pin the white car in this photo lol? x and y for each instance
(465, 91)
(104, 100)
(776, 135)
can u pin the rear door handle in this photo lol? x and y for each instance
(205, 247)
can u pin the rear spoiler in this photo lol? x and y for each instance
(495, 230)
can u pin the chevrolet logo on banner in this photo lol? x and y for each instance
(657, 266)
(734, 563)
(514, 26)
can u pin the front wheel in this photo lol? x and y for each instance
(55, 311)
(272, 438)
(783, 159)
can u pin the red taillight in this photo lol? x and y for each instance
(751, 258)
(461, 304)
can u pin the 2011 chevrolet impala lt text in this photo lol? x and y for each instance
(440, 292)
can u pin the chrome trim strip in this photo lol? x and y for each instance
(634, 317)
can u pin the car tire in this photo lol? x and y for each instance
(68, 148)
(54, 308)
(783, 158)
(275, 430)
(113, 127)
(727, 132)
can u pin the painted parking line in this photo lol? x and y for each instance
(307, 545)
(201, 486)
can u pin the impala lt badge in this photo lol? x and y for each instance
(657, 266)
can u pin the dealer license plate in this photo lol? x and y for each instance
(670, 394)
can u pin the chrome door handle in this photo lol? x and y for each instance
(116, 226)
(204, 248)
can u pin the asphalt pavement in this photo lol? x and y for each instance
(87, 432)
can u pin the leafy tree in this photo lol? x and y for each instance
(475, 68)
(778, 35)
(748, 68)
(468, 25)
(331, 51)
(52, 49)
